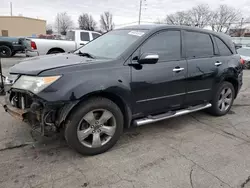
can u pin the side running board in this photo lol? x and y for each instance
(168, 115)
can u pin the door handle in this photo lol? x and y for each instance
(218, 63)
(178, 69)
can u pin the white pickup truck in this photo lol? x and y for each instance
(74, 40)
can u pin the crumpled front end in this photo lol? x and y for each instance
(43, 116)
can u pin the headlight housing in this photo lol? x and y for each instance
(33, 83)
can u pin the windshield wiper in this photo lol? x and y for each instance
(85, 54)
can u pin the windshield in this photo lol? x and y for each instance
(112, 44)
(244, 51)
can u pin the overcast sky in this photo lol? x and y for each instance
(124, 11)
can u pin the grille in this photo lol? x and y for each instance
(20, 100)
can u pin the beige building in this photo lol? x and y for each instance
(13, 26)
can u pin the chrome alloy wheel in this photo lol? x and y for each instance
(225, 99)
(96, 128)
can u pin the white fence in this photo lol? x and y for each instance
(244, 41)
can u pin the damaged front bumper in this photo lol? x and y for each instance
(15, 112)
(43, 116)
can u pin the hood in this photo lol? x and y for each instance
(36, 65)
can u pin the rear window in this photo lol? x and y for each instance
(70, 35)
(85, 36)
(223, 49)
(198, 45)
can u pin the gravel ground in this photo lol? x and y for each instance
(196, 151)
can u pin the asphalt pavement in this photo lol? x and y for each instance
(196, 151)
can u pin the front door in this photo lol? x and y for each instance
(202, 67)
(84, 38)
(160, 87)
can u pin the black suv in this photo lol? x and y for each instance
(130, 76)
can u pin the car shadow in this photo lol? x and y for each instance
(56, 145)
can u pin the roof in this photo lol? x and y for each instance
(21, 17)
(164, 26)
(158, 27)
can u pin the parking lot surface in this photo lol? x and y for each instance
(196, 151)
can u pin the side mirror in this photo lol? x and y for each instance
(148, 58)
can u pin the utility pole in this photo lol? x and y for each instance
(10, 8)
(58, 24)
(140, 12)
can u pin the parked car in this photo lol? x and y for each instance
(245, 55)
(130, 76)
(9, 46)
(74, 40)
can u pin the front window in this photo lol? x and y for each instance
(85, 36)
(112, 44)
(244, 51)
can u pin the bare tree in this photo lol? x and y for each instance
(223, 17)
(179, 18)
(86, 22)
(63, 22)
(106, 21)
(200, 15)
(49, 29)
(159, 21)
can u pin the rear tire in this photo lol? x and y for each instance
(5, 51)
(223, 99)
(91, 136)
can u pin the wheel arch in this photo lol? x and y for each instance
(56, 49)
(234, 82)
(124, 107)
(5, 43)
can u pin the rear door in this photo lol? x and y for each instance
(160, 87)
(202, 67)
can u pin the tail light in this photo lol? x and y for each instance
(242, 61)
(33, 45)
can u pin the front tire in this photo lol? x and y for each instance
(5, 51)
(94, 126)
(13, 54)
(223, 99)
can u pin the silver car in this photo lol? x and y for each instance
(245, 55)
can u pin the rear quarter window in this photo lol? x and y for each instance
(95, 35)
(223, 49)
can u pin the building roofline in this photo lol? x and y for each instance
(28, 18)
